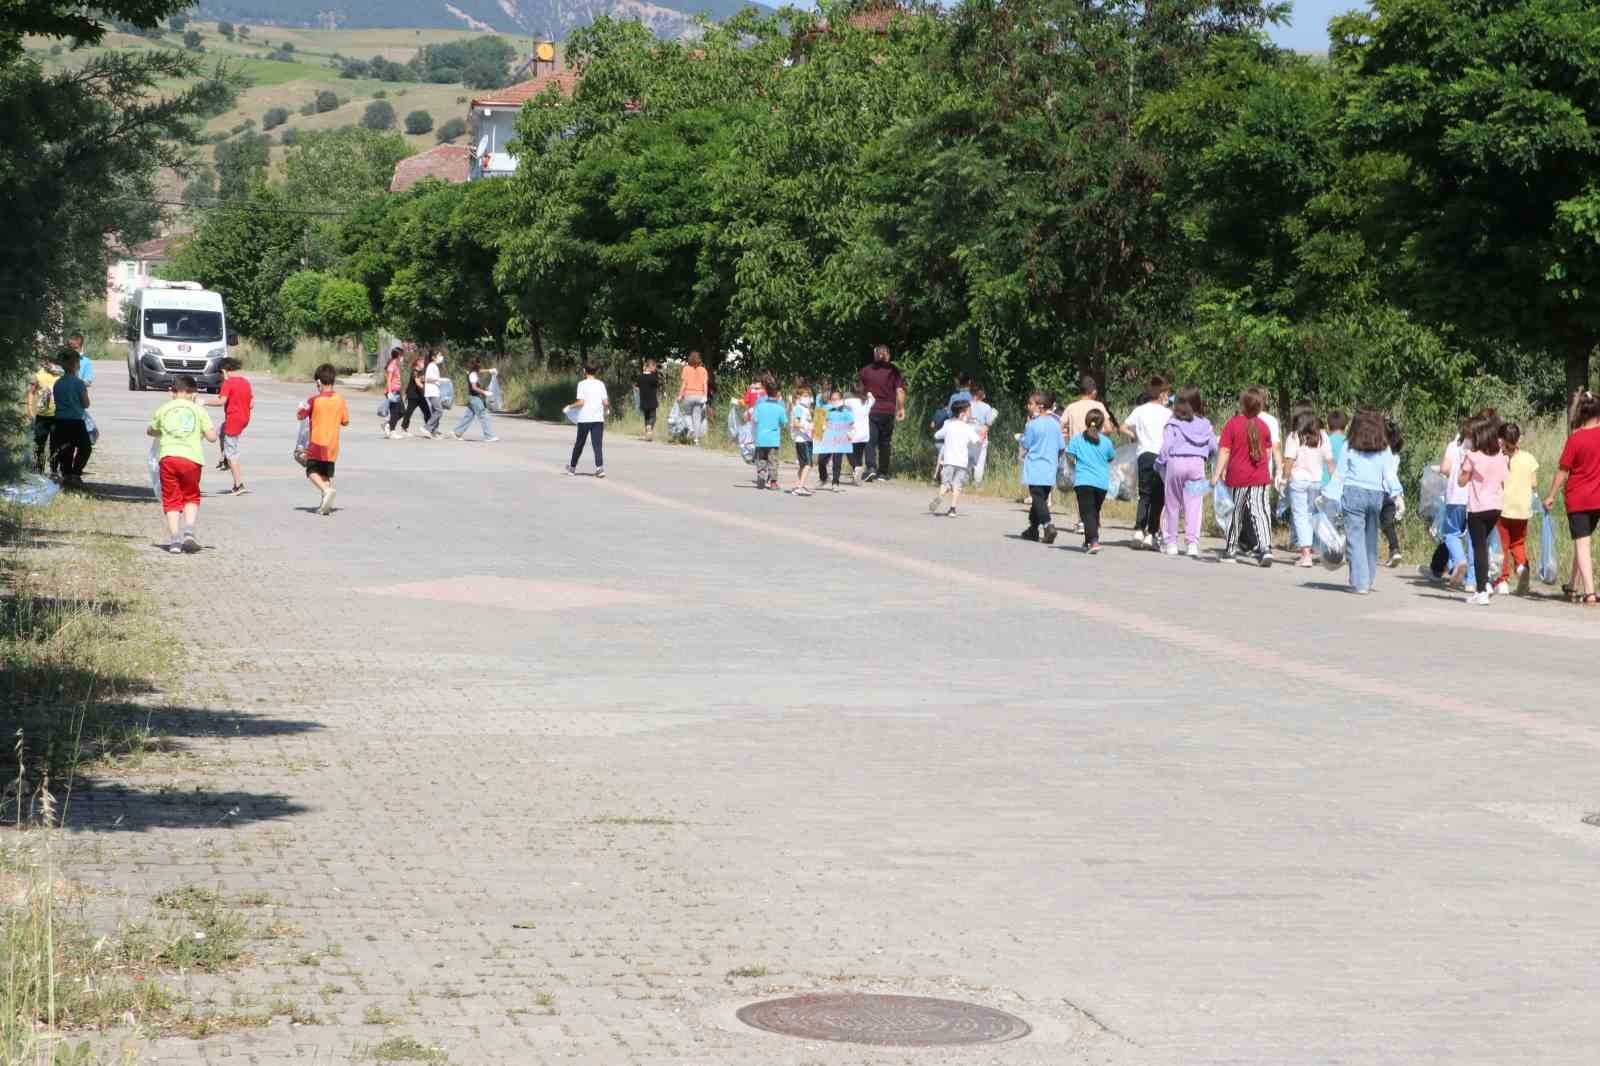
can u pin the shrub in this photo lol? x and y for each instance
(452, 129)
(289, 136)
(226, 29)
(274, 117)
(419, 122)
(380, 94)
(191, 41)
(379, 116)
(327, 100)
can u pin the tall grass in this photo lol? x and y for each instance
(299, 364)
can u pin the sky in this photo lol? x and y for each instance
(1307, 30)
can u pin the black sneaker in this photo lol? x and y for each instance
(1049, 534)
(1264, 560)
(871, 476)
(190, 545)
(1031, 533)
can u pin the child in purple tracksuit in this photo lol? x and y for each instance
(1186, 443)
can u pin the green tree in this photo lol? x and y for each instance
(343, 310)
(80, 162)
(418, 122)
(274, 117)
(450, 130)
(242, 164)
(436, 268)
(327, 100)
(191, 41)
(226, 29)
(1493, 219)
(246, 252)
(379, 115)
(335, 169)
(297, 301)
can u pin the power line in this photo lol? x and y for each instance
(237, 205)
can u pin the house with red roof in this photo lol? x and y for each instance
(496, 113)
(446, 162)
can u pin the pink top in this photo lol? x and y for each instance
(1486, 484)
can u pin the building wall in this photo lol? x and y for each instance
(123, 278)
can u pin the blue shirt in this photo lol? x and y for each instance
(1369, 470)
(1041, 445)
(959, 396)
(1093, 468)
(85, 369)
(769, 416)
(69, 393)
(1336, 442)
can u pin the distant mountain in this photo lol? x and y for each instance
(552, 19)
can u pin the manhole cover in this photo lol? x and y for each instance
(886, 1021)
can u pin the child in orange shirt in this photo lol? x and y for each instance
(328, 414)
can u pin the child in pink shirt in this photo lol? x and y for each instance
(1483, 472)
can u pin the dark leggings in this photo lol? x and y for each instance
(595, 432)
(1039, 506)
(858, 453)
(1391, 528)
(1089, 501)
(649, 416)
(836, 460)
(413, 401)
(1152, 497)
(1479, 525)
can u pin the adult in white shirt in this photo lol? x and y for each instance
(592, 405)
(431, 393)
(1147, 424)
(1274, 429)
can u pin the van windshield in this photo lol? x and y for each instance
(182, 324)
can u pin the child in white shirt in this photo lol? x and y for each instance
(958, 436)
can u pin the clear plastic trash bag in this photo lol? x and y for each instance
(1198, 487)
(34, 490)
(1327, 534)
(155, 467)
(447, 393)
(1222, 504)
(677, 421)
(1549, 566)
(1124, 473)
(496, 397)
(1431, 495)
(742, 432)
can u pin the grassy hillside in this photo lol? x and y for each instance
(290, 85)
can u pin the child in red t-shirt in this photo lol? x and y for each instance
(1244, 464)
(1578, 472)
(236, 399)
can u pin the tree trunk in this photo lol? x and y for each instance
(1579, 347)
(539, 356)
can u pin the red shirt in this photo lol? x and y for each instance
(883, 380)
(236, 396)
(1581, 460)
(751, 395)
(1241, 472)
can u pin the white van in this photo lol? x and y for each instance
(176, 327)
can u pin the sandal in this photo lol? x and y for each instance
(1589, 600)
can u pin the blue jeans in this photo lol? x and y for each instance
(1453, 531)
(1302, 498)
(476, 408)
(1362, 508)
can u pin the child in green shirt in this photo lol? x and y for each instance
(179, 425)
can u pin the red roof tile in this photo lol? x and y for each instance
(522, 92)
(449, 162)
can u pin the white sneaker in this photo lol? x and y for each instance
(1172, 550)
(327, 501)
(454, 435)
(1502, 589)
(490, 440)
(1478, 599)
(1194, 551)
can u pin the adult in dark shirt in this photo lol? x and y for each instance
(882, 379)
(649, 386)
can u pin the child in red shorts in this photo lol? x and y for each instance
(180, 425)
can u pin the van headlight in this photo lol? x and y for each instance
(216, 355)
(152, 358)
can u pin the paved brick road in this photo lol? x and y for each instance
(536, 762)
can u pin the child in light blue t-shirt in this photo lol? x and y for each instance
(1092, 453)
